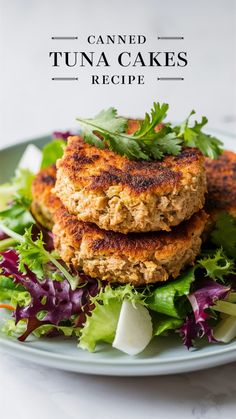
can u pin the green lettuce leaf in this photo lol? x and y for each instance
(22, 182)
(224, 234)
(17, 216)
(7, 191)
(19, 188)
(16, 330)
(13, 293)
(66, 330)
(52, 152)
(10, 328)
(217, 266)
(162, 324)
(101, 325)
(15, 201)
(170, 299)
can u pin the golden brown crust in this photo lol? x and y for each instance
(133, 258)
(45, 202)
(94, 169)
(132, 244)
(221, 184)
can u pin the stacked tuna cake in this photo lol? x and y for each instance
(123, 221)
(125, 195)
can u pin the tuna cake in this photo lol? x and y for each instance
(123, 195)
(45, 202)
(137, 259)
(133, 258)
(221, 183)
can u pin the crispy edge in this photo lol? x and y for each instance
(136, 245)
(45, 202)
(89, 167)
(221, 184)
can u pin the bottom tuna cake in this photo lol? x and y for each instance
(137, 258)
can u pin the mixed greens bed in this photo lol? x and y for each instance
(40, 296)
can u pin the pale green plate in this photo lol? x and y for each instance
(163, 356)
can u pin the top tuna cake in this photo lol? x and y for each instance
(123, 195)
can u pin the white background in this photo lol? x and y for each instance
(31, 105)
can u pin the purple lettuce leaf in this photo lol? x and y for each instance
(47, 236)
(61, 135)
(3, 235)
(9, 265)
(205, 297)
(191, 330)
(197, 324)
(54, 298)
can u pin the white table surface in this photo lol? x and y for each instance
(28, 390)
(31, 106)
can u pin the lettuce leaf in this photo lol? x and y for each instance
(224, 234)
(44, 302)
(12, 329)
(162, 324)
(19, 187)
(52, 152)
(17, 216)
(217, 265)
(7, 191)
(12, 293)
(171, 298)
(15, 201)
(101, 324)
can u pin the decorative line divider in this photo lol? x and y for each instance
(170, 78)
(170, 37)
(64, 78)
(64, 37)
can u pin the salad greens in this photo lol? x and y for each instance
(34, 256)
(107, 306)
(218, 266)
(167, 299)
(15, 201)
(52, 152)
(224, 234)
(19, 188)
(163, 324)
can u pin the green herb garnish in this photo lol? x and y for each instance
(107, 129)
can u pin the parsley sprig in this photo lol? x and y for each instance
(107, 129)
(194, 137)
